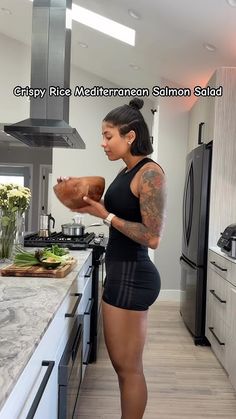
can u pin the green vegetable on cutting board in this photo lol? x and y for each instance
(23, 258)
(51, 255)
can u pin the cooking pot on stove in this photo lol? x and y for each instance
(76, 229)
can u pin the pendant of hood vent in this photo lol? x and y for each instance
(48, 125)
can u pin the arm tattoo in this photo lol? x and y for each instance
(152, 207)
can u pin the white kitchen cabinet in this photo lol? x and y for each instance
(201, 119)
(223, 178)
(221, 311)
(231, 350)
(218, 115)
(47, 407)
(196, 117)
(50, 349)
(216, 318)
(85, 308)
(210, 112)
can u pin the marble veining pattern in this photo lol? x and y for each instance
(27, 307)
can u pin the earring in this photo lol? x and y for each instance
(129, 142)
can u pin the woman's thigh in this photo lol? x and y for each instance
(125, 334)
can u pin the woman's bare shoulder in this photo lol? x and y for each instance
(151, 167)
(151, 171)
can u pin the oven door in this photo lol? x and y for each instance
(101, 284)
(101, 277)
(70, 372)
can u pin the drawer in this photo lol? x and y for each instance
(219, 350)
(87, 292)
(83, 269)
(219, 264)
(232, 278)
(87, 321)
(231, 360)
(217, 334)
(218, 294)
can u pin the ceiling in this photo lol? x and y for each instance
(169, 39)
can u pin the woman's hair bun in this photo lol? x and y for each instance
(136, 103)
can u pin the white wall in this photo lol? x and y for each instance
(172, 148)
(14, 71)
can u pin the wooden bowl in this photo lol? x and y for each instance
(70, 192)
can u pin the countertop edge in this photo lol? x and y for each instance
(220, 253)
(73, 274)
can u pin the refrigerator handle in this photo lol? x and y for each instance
(186, 264)
(200, 131)
(184, 205)
(187, 226)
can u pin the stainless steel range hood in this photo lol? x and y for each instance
(50, 66)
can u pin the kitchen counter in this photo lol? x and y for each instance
(219, 252)
(27, 307)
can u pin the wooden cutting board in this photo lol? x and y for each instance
(40, 271)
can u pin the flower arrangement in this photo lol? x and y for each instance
(14, 200)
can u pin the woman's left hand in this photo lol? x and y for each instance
(93, 208)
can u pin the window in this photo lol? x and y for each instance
(20, 175)
(19, 180)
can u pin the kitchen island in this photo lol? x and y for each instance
(28, 306)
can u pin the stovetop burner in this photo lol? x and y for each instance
(72, 242)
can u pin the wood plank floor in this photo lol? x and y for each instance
(184, 381)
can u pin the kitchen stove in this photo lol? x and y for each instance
(98, 245)
(87, 240)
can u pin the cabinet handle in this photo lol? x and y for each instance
(34, 406)
(217, 297)
(72, 314)
(200, 129)
(77, 342)
(89, 272)
(219, 267)
(89, 306)
(87, 353)
(216, 337)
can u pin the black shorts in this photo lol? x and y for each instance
(133, 285)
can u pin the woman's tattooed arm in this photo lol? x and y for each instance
(152, 206)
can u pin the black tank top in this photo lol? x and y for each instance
(124, 204)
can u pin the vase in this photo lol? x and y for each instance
(11, 233)
(20, 229)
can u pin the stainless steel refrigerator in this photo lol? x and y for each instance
(195, 241)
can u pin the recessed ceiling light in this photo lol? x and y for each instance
(134, 67)
(209, 47)
(82, 45)
(5, 11)
(134, 14)
(232, 3)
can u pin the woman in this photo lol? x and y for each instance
(134, 209)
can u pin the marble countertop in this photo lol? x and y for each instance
(219, 252)
(27, 307)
